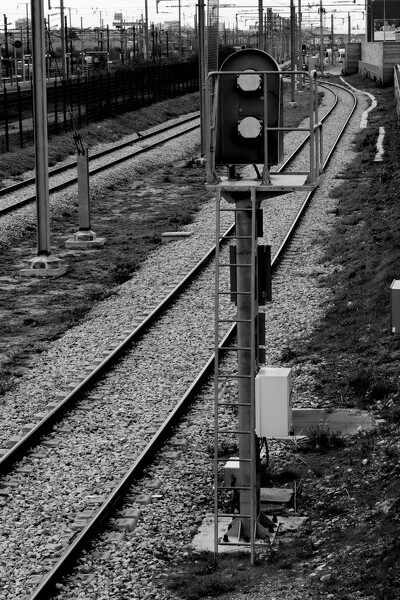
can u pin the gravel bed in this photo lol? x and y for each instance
(122, 401)
(114, 569)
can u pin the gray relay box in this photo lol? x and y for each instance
(395, 306)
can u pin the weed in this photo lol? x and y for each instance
(321, 438)
(287, 555)
(367, 445)
(381, 389)
(206, 578)
(366, 140)
(122, 270)
(283, 477)
(392, 453)
(183, 219)
(391, 414)
(360, 382)
(153, 239)
(5, 383)
(334, 509)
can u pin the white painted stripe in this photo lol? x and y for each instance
(374, 104)
(379, 145)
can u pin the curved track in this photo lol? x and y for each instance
(31, 437)
(47, 585)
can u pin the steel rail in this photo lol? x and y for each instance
(14, 454)
(31, 438)
(136, 152)
(47, 587)
(42, 427)
(58, 170)
(279, 255)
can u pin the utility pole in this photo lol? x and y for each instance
(63, 49)
(300, 61)
(27, 28)
(349, 28)
(292, 48)
(146, 30)
(28, 51)
(66, 46)
(179, 30)
(44, 264)
(202, 76)
(6, 54)
(261, 44)
(321, 38)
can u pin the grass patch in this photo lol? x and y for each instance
(204, 577)
(320, 438)
(62, 146)
(122, 270)
(353, 339)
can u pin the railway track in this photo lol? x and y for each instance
(104, 509)
(118, 154)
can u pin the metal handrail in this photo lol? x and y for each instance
(314, 129)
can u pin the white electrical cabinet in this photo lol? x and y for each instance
(273, 402)
(395, 306)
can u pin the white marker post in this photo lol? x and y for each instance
(84, 237)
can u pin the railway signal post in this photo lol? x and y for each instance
(245, 125)
(44, 264)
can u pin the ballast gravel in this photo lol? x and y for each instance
(90, 451)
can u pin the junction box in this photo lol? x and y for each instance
(273, 402)
(395, 306)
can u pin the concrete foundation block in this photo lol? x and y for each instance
(85, 239)
(173, 236)
(44, 266)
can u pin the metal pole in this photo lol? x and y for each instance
(292, 49)
(321, 38)
(332, 43)
(260, 25)
(202, 76)
(244, 340)
(6, 53)
(349, 28)
(384, 21)
(300, 67)
(27, 30)
(146, 29)
(179, 30)
(63, 50)
(66, 47)
(40, 128)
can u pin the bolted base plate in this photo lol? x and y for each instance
(267, 528)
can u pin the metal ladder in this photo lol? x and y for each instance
(246, 325)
